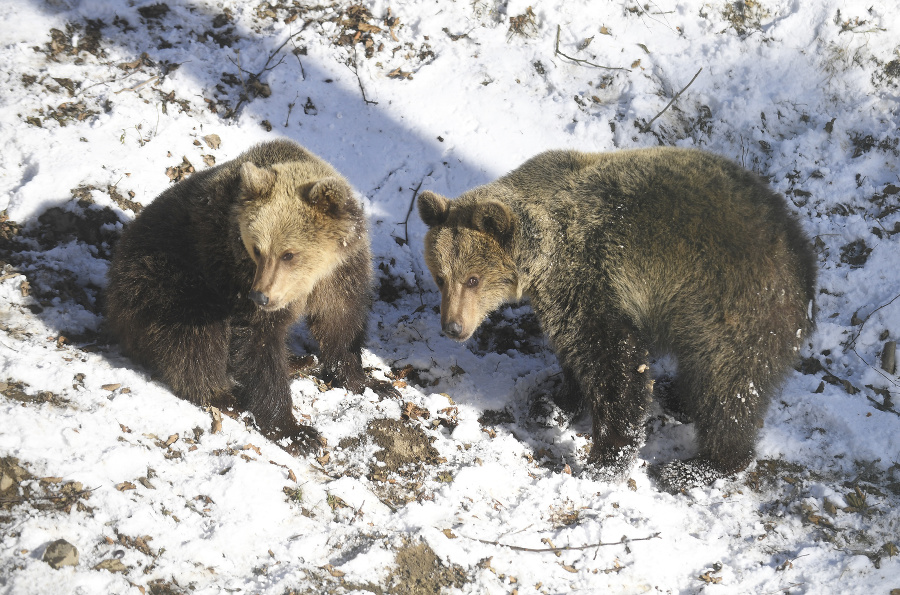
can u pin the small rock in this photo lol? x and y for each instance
(61, 553)
(889, 357)
(212, 140)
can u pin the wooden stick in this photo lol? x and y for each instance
(646, 127)
(563, 549)
(579, 61)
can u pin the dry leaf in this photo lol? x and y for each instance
(367, 28)
(399, 74)
(333, 571)
(216, 420)
(449, 534)
(291, 475)
(125, 485)
(411, 411)
(111, 387)
(111, 565)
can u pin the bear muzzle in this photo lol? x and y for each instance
(259, 298)
(454, 330)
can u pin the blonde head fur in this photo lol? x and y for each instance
(298, 221)
(470, 266)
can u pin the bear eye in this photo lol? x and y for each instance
(256, 251)
(472, 282)
(439, 280)
(287, 256)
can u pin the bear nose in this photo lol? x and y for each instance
(453, 329)
(259, 298)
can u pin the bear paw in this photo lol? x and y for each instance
(547, 414)
(298, 440)
(611, 465)
(679, 476)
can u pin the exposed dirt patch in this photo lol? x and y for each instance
(402, 445)
(16, 391)
(404, 462)
(420, 572)
(19, 487)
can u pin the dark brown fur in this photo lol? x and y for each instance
(180, 282)
(671, 249)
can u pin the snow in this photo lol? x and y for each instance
(804, 93)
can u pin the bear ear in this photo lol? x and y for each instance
(329, 194)
(433, 208)
(494, 218)
(256, 181)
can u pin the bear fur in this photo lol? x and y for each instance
(206, 282)
(674, 250)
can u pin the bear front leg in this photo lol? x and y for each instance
(337, 315)
(609, 362)
(259, 366)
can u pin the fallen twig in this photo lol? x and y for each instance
(580, 61)
(646, 127)
(412, 204)
(519, 548)
(138, 86)
(851, 345)
(355, 69)
(255, 77)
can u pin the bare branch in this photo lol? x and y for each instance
(623, 541)
(646, 127)
(412, 204)
(579, 61)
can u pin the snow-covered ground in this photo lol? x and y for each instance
(459, 485)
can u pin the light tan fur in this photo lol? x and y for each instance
(289, 230)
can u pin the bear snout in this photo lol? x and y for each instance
(453, 330)
(259, 298)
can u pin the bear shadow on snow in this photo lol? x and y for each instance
(621, 253)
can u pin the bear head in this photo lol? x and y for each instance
(297, 223)
(468, 249)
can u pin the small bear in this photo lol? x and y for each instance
(675, 250)
(206, 282)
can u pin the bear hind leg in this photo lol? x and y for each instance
(727, 404)
(197, 369)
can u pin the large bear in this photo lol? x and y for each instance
(206, 282)
(674, 250)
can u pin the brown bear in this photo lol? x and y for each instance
(206, 282)
(670, 249)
